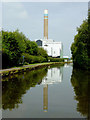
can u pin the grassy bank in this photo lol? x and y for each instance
(15, 70)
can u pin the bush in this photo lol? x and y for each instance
(33, 59)
(31, 47)
(56, 59)
(43, 53)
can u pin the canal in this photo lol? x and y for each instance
(56, 91)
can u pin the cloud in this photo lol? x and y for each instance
(23, 14)
(14, 11)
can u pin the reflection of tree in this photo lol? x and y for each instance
(81, 83)
(14, 87)
(56, 65)
(0, 93)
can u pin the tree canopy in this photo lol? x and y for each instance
(80, 46)
(14, 45)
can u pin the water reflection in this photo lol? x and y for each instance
(14, 87)
(51, 95)
(54, 76)
(0, 98)
(45, 98)
(81, 84)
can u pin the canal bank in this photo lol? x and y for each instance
(15, 70)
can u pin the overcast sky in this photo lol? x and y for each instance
(64, 18)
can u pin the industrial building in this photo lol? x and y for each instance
(54, 49)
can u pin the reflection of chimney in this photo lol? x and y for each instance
(46, 24)
(45, 98)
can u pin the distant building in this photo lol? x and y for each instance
(54, 49)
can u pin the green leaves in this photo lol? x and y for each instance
(31, 47)
(79, 48)
(42, 52)
(15, 44)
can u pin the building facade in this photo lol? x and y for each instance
(54, 49)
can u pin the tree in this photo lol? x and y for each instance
(79, 48)
(43, 53)
(31, 47)
(88, 43)
(13, 46)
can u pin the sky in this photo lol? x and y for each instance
(28, 17)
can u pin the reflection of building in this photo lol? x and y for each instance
(54, 49)
(54, 76)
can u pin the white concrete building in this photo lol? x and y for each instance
(54, 49)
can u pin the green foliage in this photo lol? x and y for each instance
(0, 40)
(31, 47)
(56, 59)
(88, 42)
(43, 53)
(79, 48)
(33, 59)
(15, 45)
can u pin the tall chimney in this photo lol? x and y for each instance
(46, 24)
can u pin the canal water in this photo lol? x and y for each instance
(57, 91)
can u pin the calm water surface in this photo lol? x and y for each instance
(50, 92)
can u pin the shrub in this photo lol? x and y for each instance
(33, 59)
(43, 53)
(56, 59)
